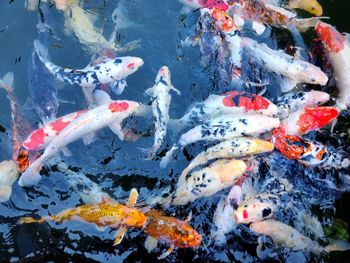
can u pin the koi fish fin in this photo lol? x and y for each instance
(117, 129)
(143, 111)
(89, 138)
(7, 81)
(41, 50)
(258, 28)
(5, 193)
(101, 97)
(167, 253)
(149, 91)
(238, 20)
(169, 155)
(119, 235)
(118, 86)
(338, 245)
(66, 152)
(150, 243)
(287, 84)
(132, 197)
(175, 90)
(189, 217)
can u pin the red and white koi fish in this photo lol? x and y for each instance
(281, 63)
(223, 128)
(108, 71)
(285, 235)
(309, 119)
(160, 107)
(219, 4)
(338, 50)
(235, 148)
(308, 152)
(208, 181)
(230, 103)
(110, 113)
(296, 101)
(260, 207)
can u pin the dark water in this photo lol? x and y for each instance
(119, 166)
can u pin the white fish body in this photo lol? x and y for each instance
(110, 114)
(234, 44)
(8, 175)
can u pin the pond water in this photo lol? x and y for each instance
(118, 166)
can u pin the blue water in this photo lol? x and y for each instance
(119, 166)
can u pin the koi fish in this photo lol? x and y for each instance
(8, 175)
(170, 230)
(223, 128)
(260, 207)
(281, 63)
(307, 152)
(296, 101)
(40, 138)
(230, 103)
(311, 6)
(108, 71)
(308, 119)
(110, 113)
(285, 235)
(160, 107)
(208, 181)
(338, 50)
(235, 148)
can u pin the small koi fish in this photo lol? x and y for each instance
(208, 181)
(311, 6)
(223, 128)
(110, 113)
(309, 119)
(160, 107)
(338, 50)
(260, 207)
(235, 148)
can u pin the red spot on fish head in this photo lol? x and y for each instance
(332, 39)
(245, 214)
(228, 99)
(130, 65)
(118, 106)
(316, 118)
(35, 140)
(223, 20)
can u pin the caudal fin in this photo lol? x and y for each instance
(7, 82)
(41, 50)
(338, 245)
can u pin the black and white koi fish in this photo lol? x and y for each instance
(160, 107)
(110, 113)
(223, 128)
(108, 71)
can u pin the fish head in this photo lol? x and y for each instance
(164, 76)
(253, 210)
(47, 109)
(223, 20)
(183, 235)
(311, 6)
(333, 40)
(127, 65)
(316, 98)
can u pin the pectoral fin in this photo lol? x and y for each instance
(132, 197)
(66, 152)
(167, 253)
(176, 90)
(119, 235)
(149, 92)
(89, 138)
(119, 86)
(150, 243)
(101, 97)
(117, 129)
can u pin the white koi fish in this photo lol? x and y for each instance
(108, 71)
(110, 113)
(208, 181)
(281, 63)
(285, 235)
(235, 148)
(160, 107)
(338, 50)
(8, 175)
(224, 128)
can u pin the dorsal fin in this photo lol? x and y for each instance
(132, 197)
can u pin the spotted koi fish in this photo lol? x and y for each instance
(230, 103)
(109, 213)
(223, 128)
(235, 148)
(338, 50)
(309, 119)
(293, 102)
(110, 113)
(281, 63)
(285, 235)
(108, 71)
(208, 181)
(307, 152)
(160, 107)
(260, 207)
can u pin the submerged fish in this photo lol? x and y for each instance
(160, 107)
(311, 6)
(338, 50)
(223, 128)
(258, 208)
(208, 181)
(108, 71)
(235, 148)
(110, 113)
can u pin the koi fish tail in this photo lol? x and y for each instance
(31, 220)
(338, 245)
(169, 155)
(7, 82)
